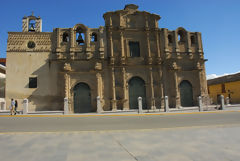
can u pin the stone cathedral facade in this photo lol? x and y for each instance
(128, 57)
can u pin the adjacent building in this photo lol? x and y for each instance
(129, 57)
(228, 86)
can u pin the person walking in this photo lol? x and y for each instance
(16, 106)
(12, 106)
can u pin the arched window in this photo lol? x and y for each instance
(80, 36)
(65, 37)
(193, 40)
(170, 41)
(180, 36)
(94, 37)
(32, 24)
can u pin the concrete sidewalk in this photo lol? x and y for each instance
(210, 108)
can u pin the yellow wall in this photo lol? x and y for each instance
(232, 88)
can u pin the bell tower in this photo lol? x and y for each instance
(31, 24)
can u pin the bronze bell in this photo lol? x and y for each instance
(80, 39)
(32, 28)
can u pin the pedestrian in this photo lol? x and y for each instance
(16, 106)
(12, 106)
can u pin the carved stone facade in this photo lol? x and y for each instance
(129, 57)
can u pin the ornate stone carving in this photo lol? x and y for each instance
(199, 66)
(67, 67)
(98, 66)
(17, 42)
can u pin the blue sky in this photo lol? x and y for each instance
(217, 20)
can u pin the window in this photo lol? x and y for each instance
(31, 44)
(223, 88)
(94, 37)
(134, 49)
(65, 37)
(170, 39)
(192, 40)
(32, 82)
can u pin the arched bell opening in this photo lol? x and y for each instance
(32, 25)
(80, 36)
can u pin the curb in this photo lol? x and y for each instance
(143, 114)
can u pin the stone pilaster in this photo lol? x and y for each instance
(199, 42)
(176, 41)
(148, 48)
(66, 87)
(113, 101)
(165, 35)
(72, 37)
(160, 70)
(153, 107)
(111, 48)
(101, 43)
(99, 85)
(125, 92)
(177, 97)
(58, 38)
(158, 48)
(123, 59)
(188, 42)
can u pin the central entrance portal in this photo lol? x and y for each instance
(137, 89)
(82, 98)
(186, 94)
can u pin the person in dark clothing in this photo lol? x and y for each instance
(16, 106)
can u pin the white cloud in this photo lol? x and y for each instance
(212, 76)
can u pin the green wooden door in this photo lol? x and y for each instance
(186, 94)
(137, 89)
(82, 98)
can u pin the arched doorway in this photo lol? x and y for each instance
(136, 89)
(82, 98)
(186, 94)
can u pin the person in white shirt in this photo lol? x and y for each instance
(12, 106)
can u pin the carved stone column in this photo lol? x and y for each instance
(113, 101)
(101, 43)
(111, 48)
(153, 107)
(175, 69)
(200, 70)
(188, 42)
(161, 86)
(178, 104)
(58, 38)
(176, 41)
(123, 59)
(148, 48)
(99, 84)
(125, 92)
(199, 42)
(72, 43)
(100, 88)
(158, 48)
(88, 46)
(165, 35)
(67, 85)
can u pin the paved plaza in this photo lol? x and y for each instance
(180, 137)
